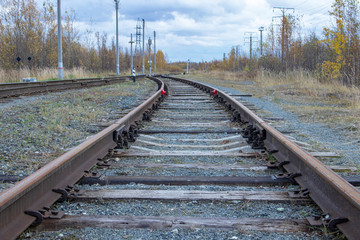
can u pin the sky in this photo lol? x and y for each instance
(199, 30)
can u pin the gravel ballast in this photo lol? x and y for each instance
(36, 129)
(318, 135)
(172, 234)
(184, 208)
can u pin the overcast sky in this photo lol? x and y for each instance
(193, 29)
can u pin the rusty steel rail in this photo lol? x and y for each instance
(43, 188)
(337, 198)
(18, 89)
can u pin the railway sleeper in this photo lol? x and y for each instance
(170, 222)
(355, 181)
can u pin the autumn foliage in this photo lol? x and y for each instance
(29, 30)
(342, 43)
(333, 56)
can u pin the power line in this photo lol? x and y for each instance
(283, 11)
(250, 37)
(321, 9)
(138, 38)
(318, 8)
(302, 4)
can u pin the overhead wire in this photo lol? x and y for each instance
(301, 4)
(320, 9)
(317, 9)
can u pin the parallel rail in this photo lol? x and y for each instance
(39, 189)
(18, 89)
(334, 195)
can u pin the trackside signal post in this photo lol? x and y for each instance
(60, 58)
(131, 51)
(143, 48)
(261, 29)
(154, 52)
(149, 43)
(117, 37)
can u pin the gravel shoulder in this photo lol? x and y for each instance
(34, 130)
(319, 136)
(206, 142)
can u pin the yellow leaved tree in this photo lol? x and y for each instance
(343, 43)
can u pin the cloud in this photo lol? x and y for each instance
(202, 29)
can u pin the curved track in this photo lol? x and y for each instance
(17, 89)
(188, 149)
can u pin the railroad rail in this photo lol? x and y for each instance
(336, 196)
(20, 204)
(24, 203)
(18, 89)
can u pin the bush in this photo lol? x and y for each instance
(270, 63)
(175, 69)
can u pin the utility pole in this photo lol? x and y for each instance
(149, 43)
(154, 52)
(250, 46)
(250, 37)
(17, 33)
(117, 38)
(17, 29)
(237, 58)
(143, 49)
(234, 58)
(60, 58)
(283, 23)
(187, 66)
(131, 51)
(261, 29)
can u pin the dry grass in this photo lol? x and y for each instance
(9, 76)
(38, 130)
(221, 78)
(300, 92)
(303, 84)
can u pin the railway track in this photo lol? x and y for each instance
(17, 89)
(184, 164)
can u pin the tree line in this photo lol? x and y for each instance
(28, 33)
(333, 56)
